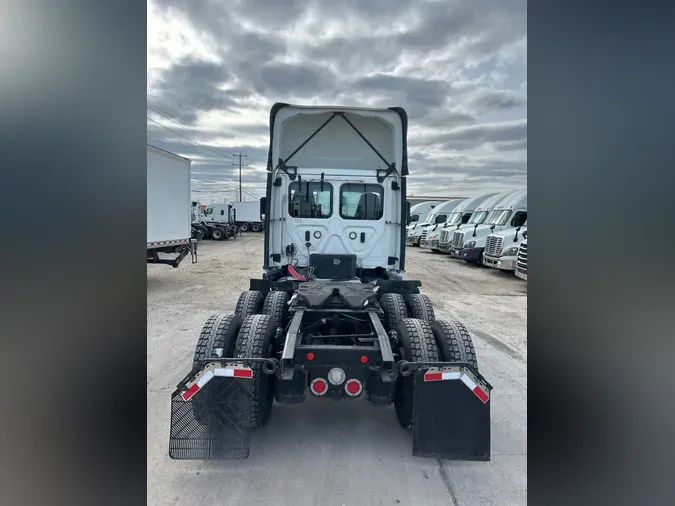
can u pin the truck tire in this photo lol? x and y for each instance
(217, 234)
(254, 341)
(199, 234)
(420, 306)
(219, 332)
(249, 303)
(418, 344)
(276, 306)
(454, 342)
(255, 227)
(394, 308)
(243, 227)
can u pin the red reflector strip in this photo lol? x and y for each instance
(481, 394)
(234, 372)
(243, 373)
(190, 392)
(433, 376)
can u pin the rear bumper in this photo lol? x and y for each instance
(504, 264)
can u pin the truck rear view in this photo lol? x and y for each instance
(169, 205)
(332, 316)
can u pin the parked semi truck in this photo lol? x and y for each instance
(458, 237)
(440, 213)
(419, 214)
(332, 316)
(244, 215)
(169, 208)
(510, 211)
(521, 263)
(501, 248)
(461, 215)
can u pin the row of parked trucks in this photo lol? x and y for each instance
(488, 229)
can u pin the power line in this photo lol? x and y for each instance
(166, 115)
(187, 138)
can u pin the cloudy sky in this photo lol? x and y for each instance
(459, 67)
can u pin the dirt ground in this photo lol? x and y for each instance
(347, 453)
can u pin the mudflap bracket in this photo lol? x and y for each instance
(210, 410)
(451, 411)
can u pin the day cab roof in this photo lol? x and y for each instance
(445, 207)
(424, 207)
(336, 137)
(491, 202)
(471, 204)
(515, 200)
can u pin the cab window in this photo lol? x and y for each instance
(209, 210)
(361, 201)
(310, 200)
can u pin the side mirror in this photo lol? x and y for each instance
(263, 205)
(525, 234)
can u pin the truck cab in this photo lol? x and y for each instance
(419, 216)
(460, 216)
(430, 231)
(501, 249)
(509, 212)
(218, 213)
(462, 235)
(521, 263)
(337, 198)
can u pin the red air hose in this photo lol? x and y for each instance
(296, 274)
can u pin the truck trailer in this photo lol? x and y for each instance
(169, 207)
(244, 215)
(332, 316)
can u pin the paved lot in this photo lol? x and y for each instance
(334, 454)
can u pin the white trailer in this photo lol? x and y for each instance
(169, 221)
(247, 216)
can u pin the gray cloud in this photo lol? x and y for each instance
(457, 67)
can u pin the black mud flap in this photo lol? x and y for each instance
(209, 415)
(451, 414)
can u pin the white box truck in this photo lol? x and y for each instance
(169, 221)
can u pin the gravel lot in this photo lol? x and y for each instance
(344, 453)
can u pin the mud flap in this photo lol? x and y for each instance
(451, 414)
(209, 415)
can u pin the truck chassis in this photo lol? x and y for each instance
(337, 340)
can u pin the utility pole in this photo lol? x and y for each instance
(240, 166)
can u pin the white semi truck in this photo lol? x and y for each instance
(419, 213)
(509, 212)
(169, 208)
(521, 263)
(478, 217)
(437, 218)
(501, 248)
(245, 215)
(440, 238)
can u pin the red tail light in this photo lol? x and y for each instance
(318, 386)
(353, 387)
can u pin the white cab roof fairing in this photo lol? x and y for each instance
(337, 145)
(472, 203)
(424, 207)
(491, 202)
(515, 200)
